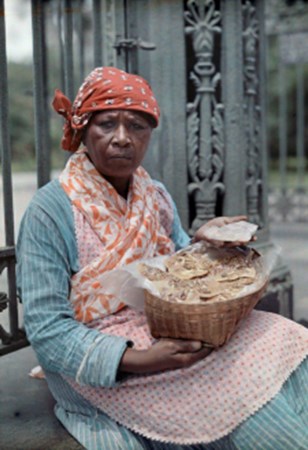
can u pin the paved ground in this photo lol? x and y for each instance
(27, 421)
(26, 418)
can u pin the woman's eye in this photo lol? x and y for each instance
(137, 126)
(107, 124)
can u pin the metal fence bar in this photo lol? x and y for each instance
(13, 338)
(68, 50)
(282, 129)
(97, 30)
(300, 127)
(263, 137)
(40, 93)
(5, 139)
(81, 41)
(235, 201)
(288, 198)
(61, 43)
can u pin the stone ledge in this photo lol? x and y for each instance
(26, 408)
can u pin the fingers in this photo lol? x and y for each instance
(175, 354)
(235, 219)
(189, 351)
(187, 359)
(205, 351)
(188, 346)
(181, 345)
(218, 244)
(236, 243)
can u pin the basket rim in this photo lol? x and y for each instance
(204, 304)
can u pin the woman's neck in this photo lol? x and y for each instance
(121, 185)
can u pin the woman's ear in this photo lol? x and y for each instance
(83, 137)
(85, 129)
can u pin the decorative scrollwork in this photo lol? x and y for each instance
(205, 141)
(193, 144)
(203, 20)
(252, 110)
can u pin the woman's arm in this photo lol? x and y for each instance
(62, 344)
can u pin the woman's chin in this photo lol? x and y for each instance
(121, 169)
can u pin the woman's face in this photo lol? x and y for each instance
(116, 141)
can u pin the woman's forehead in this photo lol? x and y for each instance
(129, 114)
(116, 112)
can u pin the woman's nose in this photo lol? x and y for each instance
(121, 135)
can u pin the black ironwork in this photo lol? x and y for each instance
(13, 338)
(205, 125)
(42, 144)
(3, 301)
(130, 43)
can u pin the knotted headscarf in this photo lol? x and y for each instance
(104, 88)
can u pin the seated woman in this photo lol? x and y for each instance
(115, 386)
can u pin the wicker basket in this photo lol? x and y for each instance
(210, 322)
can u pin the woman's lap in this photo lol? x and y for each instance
(281, 424)
(101, 434)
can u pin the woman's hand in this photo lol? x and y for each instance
(163, 355)
(200, 234)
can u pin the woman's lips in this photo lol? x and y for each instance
(127, 157)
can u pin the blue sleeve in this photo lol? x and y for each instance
(62, 344)
(179, 236)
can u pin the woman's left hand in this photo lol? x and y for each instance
(201, 234)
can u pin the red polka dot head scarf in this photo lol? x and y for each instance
(105, 88)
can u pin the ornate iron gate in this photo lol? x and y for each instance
(206, 62)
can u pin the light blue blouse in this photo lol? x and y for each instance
(47, 257)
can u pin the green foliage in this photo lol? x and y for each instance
(21, 117)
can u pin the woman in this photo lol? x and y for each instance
(115, 387)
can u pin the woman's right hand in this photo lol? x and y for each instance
(163, 355)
